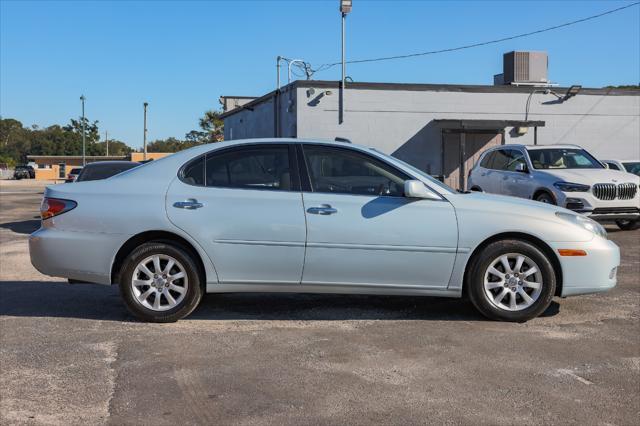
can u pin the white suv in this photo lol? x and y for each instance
(565, 175)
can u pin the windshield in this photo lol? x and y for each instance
(632, 167)
(417, 171)
(563, 158)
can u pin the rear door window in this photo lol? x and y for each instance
(500, 160)
(486, 160)
(250, 168)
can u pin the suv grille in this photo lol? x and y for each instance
(627, 191)
(611, 191)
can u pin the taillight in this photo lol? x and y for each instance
(51, 207)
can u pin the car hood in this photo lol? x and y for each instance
(504, 203)
(591, 176)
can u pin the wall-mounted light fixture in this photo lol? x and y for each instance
(571, 92)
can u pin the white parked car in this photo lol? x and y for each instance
(629, 166)
(564, 175)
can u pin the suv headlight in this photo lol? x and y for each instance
(584, 222)
(571, 187)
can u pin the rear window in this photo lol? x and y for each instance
(75, 171)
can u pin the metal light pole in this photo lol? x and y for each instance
(278, 59)
(106, 139)
(84, 157)
(345, 7)
(291, 62)
(144, 140)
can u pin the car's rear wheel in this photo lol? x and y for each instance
(511, 280)
(627, 224)
(160, 282)
(546, 198)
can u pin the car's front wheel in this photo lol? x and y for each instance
(160, 282)
(546, 198)
(511, 280)
(627, 224)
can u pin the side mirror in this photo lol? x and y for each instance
(417, 189)
(522, 168)
(606, 165)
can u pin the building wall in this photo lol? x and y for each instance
(401, 123)
(50, 169)
(139, 156)
(259, 121)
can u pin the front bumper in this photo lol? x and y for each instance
(601, 210)
(594, 273)
(80, 256)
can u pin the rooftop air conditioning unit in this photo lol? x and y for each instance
(526, 68)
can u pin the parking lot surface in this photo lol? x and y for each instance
(71, 354)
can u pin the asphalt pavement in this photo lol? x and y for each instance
(71, 354)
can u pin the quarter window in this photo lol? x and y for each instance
(193, 173)
(345, 172)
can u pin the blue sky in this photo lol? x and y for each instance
(181, 56)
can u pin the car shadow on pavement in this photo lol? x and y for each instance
(22, 227)
(95, 302)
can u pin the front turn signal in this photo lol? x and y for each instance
(572, 252)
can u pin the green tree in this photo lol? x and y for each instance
(212, 125)
(91, 129)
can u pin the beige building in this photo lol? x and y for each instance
(57, 167)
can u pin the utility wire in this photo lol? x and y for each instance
(325, 67)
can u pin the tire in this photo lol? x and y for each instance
(485, 287)
(177, 297)
(627, 224)
(545, 197)
(477, 189)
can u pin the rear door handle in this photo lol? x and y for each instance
(324, 209)
(189, 204)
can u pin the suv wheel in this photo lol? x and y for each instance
(546, 198)
(511, 280)
(627, 224)
(160, 283)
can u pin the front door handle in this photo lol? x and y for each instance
(324, 209)
(189, 204)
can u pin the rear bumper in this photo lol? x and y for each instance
(77, 255)
(594, 273)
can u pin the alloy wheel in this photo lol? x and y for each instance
(159, 282)
(513, 282)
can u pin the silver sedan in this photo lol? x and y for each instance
(290, 215)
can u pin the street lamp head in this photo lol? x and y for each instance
(146, 104)
(82, 98)
(345, 6)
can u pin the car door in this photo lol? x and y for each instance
(244, 206)
(481, 174)
(362, 231)
(516, 183)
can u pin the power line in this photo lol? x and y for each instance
(325, 67)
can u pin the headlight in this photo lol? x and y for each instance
(584, 222)
(571, 187)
